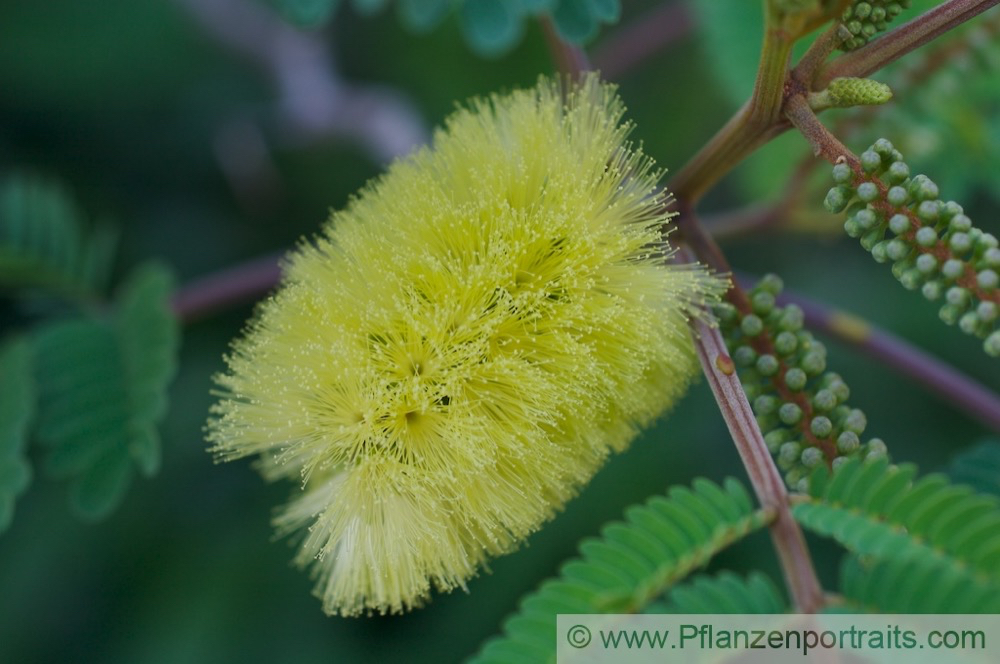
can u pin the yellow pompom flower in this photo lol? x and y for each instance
(459, 351)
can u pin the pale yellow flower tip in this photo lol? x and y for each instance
(463, 346)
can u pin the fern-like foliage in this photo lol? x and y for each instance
(914, 585)
(17, 405)
(725, 592)
(102, 384)
(978, 467)
(880, 511)
(45, 243)
(631, 564)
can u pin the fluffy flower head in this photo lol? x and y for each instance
(461, 348)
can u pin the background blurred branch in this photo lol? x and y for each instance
(631, 44)
(314, 101)
(938, 377)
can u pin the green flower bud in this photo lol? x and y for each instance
(868, 191)
(847, 442)
(842, 174)
(767, 365)
(866, 219)
(836, 199)
(751, 325)
(987, 279)
(884, 147)
(960, 223)
(765, 404)
(932, 290)
(762, 303)
(813, 363)
(775, 439)
(876, 448)
(744, 356)
(988, 311)
(926, 263)
(771, 283)
(929, 211)
(897, 196)
(949, 313)
(821, 426)
(960, 243)
(899, 223)
(926, 236)
(785, 343)
(880, 252)
(992, 344)
(958, 296)
(789, 452)
(847, 92)
(969, 322)
(811, 457)
(825, 400)
(897, 250)
(855, 422)
(795, 379)
(790, 413)
(898, 172)
(952, 268)
(791, 319)
(911, 279)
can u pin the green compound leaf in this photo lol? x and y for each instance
(878, 510)
(102, 390)
(17, 407)
(725, 593)
(978, 467)
(631, 564)
(915, 585)
(491, 26)
(45, 244)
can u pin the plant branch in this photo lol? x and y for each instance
(622, 50)
(951, 385)
(900, 41)
(569, 59)
(241, 284)
(824, 143)
(796, 563)
(314, 101)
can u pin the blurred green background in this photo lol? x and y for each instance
(154, 123)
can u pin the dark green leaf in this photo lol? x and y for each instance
(102, 391)
(635, 561)
(45, 244)
(17, 406)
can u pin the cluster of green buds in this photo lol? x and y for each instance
(800, 406)
(866, 18)
(931, 244)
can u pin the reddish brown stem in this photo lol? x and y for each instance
(907, 37)
(796, 562)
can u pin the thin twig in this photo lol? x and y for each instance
(241, 284)
(570, 59)
(951, 385)
(314, 101)
(631, 44)
(898, 42)
(793, 555)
